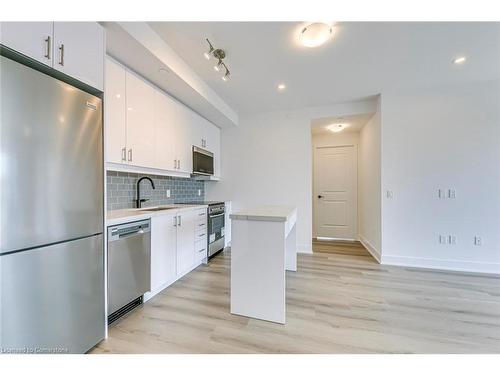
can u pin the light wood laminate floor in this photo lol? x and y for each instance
(339, 301)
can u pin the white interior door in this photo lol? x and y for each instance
(335, 192)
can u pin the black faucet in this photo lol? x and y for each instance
(138, 201)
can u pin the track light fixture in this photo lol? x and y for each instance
(219, 55)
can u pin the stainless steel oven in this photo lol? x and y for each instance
(216, 223)
(203, 162)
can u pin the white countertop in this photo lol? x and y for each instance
(266, 213)
(134, 214)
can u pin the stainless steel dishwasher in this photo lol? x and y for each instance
(129, 266)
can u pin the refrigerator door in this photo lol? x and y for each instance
(51, 167)
(52, 298)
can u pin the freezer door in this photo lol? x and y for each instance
(52, 298)
(51, 166)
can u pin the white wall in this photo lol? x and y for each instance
(267, 159)
(442, 138)
(369, 185)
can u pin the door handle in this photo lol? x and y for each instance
(320, 196)
(61, 58)
(47, 55)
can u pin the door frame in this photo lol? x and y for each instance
(356, 195)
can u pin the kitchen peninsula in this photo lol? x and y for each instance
(263, 247)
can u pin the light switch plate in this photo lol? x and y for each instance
(390, 194)
(199, 192)
(168, 193)
(452, 240)
(441, 194)
(443, 240)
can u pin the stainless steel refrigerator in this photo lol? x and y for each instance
(51, 214)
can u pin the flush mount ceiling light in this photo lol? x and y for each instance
(337, 127)
(459, 60)
(219, 55)
(315, 34)
(281, 86)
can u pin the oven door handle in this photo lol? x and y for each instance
(211, 216)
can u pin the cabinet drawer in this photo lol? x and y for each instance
(200, 225)
(200, 246)
(200, 236)
(201, 214)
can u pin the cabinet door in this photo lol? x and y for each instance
(33, 39)
(79, 51)
(213, 145)
(163, 250)
(185, 242)
(183, 140)
(165, 131)
(140, 122)
(115, 113)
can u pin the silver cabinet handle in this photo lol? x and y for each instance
(175, 221)
(178, 164)
(130, 155)
(47, 41)
(180, 220)
(61, 58)
(175, 163)
(124, 154)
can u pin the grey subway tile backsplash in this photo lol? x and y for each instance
(121, 190)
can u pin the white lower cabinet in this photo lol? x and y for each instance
(185, 242)
(176, 246)
(163, 251)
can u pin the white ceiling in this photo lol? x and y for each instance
(363, 59)
(356, 123)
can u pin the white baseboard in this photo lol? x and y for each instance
(304, 248)
(442, 264)
(371, 249)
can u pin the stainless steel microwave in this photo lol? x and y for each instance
(203, 162)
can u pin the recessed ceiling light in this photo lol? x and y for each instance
(281, 86)
(459, 60)
(337, 127)
(118, 96)
(316, 34)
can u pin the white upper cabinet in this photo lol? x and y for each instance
(166, 115)
(33, 39)
(79, 51)
(115, 113)
(74, 48)
(183, 140)
(146, 127)
(140, 122)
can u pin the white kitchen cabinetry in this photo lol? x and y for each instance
(74, 48)
(165, 132)
(140, 122)
(163, 251)
(185, 242)
(115, 113)
(79, 51)
(185, 131)
(33, 39)
(200, 235)
(146, 128)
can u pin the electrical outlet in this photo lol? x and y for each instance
(452, 239)
(168, 193)
(452, 194)
(478, 241)
(199, 192)
(443, 240)
(390, 194)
